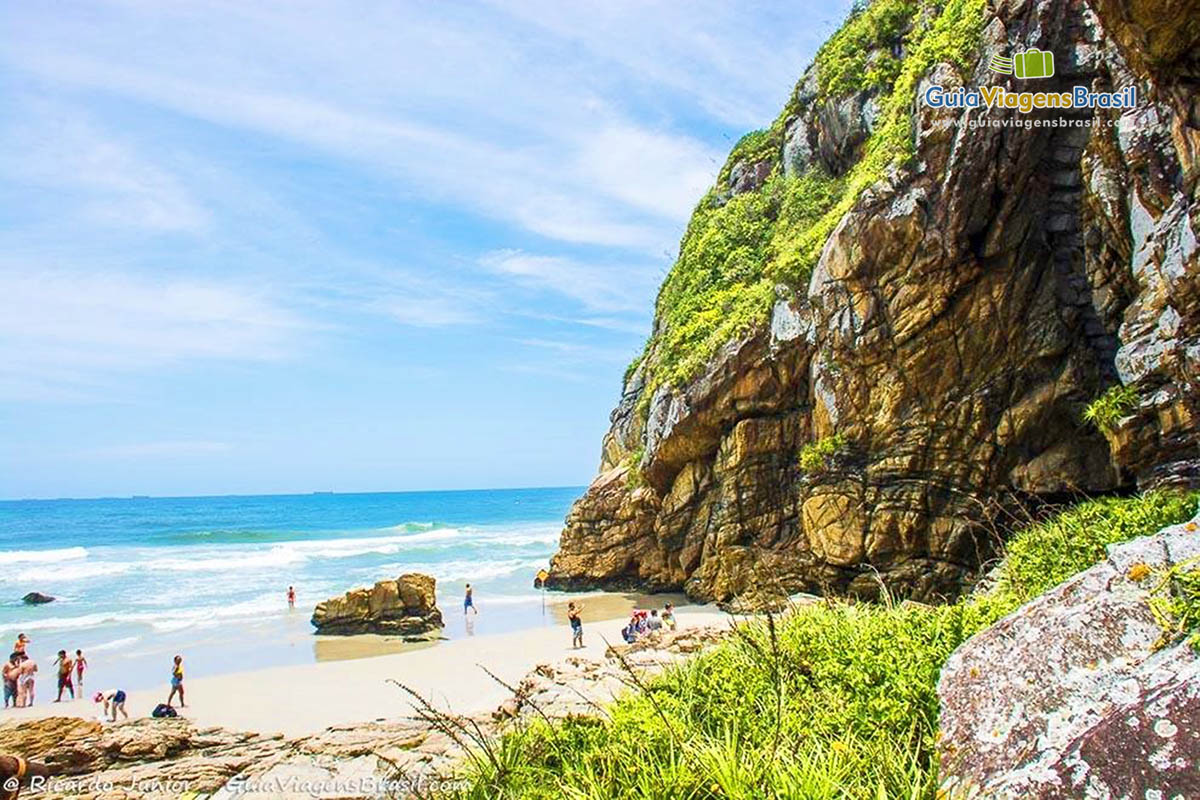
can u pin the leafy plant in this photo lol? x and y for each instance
(1106, 410)
(832, 701)
(1175, 602)
(815, 456)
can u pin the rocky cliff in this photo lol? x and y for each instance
(888, 323)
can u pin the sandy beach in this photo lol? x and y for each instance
(306, 698)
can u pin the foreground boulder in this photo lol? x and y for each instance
(406, 606)
(37, 599)
(1079, 693)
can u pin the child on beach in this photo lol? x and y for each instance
(576, 625)
(25, 682)
(654, 623)
(65, 665)
(177, 682)
(291, 597)
(80, 666)
(20, 644)
(114, 701)
(469, 600)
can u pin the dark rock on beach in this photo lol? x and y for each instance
(405, 606)
(37, 599)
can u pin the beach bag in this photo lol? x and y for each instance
(164, 711)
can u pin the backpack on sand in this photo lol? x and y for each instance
(162, 710)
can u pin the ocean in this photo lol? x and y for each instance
(139, 579)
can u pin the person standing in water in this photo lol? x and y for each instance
(80, 665)
(573, 612)
(177, 682)
(291, 595)
(469, 600)
(65, 665)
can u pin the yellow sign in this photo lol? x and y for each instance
(542, 575)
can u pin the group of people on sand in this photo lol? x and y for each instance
(20, 674)
(643, 622)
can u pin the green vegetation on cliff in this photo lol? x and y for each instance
(815, 456)
(1106, 410)
(717, 289)
(862, 54)
(737, 248)
(833, 700)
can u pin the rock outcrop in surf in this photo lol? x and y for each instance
(405, 606)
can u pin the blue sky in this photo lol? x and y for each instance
(296, 246)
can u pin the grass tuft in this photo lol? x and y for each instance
(832, 701)
(1106, 410)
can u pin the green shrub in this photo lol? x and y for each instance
(831, 701)
(859, 55)
(765, 144)
(1106, 410)
(815, 456)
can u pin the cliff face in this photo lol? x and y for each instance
(887, 324)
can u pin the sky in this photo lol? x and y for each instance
(292, 246)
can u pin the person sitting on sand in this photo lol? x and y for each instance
(640, 622)
(576, 625)
(25, 683)
(65, 665)
(114, 701)
(80, 665)
(629, 632)
(654, 623)
(12, 671)
(469, 600)
(177, 682)
(668, 616)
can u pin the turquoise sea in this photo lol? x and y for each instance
(139, 579)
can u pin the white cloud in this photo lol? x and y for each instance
(427, 312)
(163, 449)
(596, 287)
(66, 330)
(526, 141)
(116, 185)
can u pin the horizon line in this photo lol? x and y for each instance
(282, 494)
